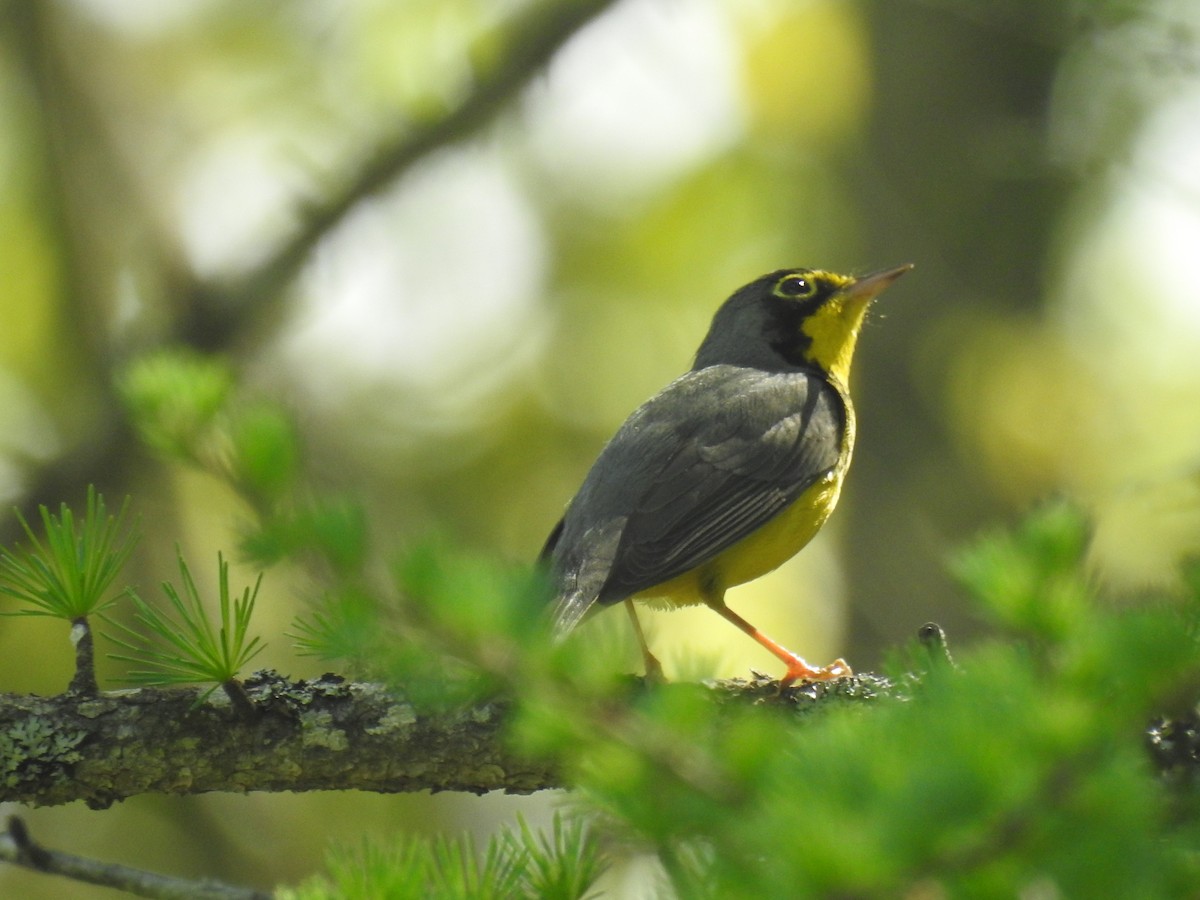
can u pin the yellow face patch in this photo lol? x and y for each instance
(833, 331)
(833, 323)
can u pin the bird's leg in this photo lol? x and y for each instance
(654, 669)
(797, 668)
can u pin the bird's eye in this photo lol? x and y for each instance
(795, 286)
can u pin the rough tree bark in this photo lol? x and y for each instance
(326, 734)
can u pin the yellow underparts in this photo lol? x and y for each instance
(832, 331)
(756, 554)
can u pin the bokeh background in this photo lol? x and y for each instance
(458, 343)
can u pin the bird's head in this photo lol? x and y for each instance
(794, 318)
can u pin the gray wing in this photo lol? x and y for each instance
(716, 454)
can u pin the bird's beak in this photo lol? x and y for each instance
(871, 286)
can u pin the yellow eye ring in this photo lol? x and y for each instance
(795, 287)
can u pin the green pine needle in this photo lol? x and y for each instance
(187, 648)
(458, 871)
(343, 627)
(68, 573)
(516, 865)
(368, 871)
(561, 865)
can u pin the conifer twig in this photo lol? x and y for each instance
(18, 848)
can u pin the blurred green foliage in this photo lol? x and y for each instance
(1022, 768)
(518, 864)
(176, 399)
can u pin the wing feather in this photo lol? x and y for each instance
(711, 458)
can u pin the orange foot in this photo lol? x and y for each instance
(799, 670)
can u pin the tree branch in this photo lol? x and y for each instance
(19, 849)
(326, 734)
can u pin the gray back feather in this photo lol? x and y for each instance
(705, 462)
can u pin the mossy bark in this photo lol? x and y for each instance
(327, 734)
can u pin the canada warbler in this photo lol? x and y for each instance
(729, 470)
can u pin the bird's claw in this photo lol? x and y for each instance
(799, 670)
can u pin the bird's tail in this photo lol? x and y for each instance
(569, 611)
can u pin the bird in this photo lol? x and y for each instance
(729, 470)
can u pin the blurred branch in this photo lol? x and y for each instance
(79, 174)
(217, 314)
(19, 849)
(534, 37)
(61, 135)
(326, 734)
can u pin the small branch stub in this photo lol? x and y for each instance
(84, 680)
(241, 701)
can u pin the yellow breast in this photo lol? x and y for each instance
(758, 553)
(769, 547)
